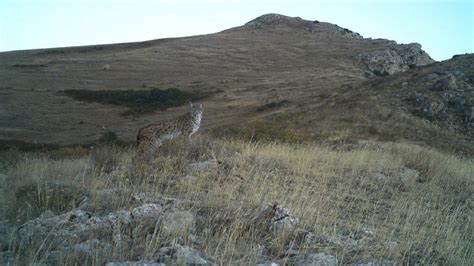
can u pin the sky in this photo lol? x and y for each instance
(443, 27)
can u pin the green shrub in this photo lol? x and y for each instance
(139, 101)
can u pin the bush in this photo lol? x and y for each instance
(139, 101)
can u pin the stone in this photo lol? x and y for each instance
(444, 97)
(147, 211)
(47, 214)
(135, 263)
(382, 262)
(435, 108)
(202, 166)
(395, 58)
(3, 180)
(179, 254)
(278, 216)
(78, 225)
(379, 175)
(392, 245)
(84, 204)
(268, 264)
(6, 258)
(92, 247)
(409, 174)
(178, 223)
(317, 259)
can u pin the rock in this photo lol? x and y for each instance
(47, 214)
(201, 166)
(395, 58)
(6, 258)
(92, 247)
(275, 216)
(364, 234)
(77, 226)
(380, 175)
(268, 264)
(392, 245)
(135, 263)
(383, 262)
(179, 254)
(409, 174)
(178, 223)
(268, 22)
(106, 67)
(3, 180)
(84, 204)
(190, 178)
(281, 216)
(435, 108)
(317, 259)
(147, 211)
(445, 97)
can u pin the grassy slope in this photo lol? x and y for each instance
(330, 191)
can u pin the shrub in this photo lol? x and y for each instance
(139, 101)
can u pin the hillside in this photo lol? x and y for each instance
(317, 147)
(294, 66)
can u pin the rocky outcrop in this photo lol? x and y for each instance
(444, 96)
(276, 216)
(320, 29)
(69, 234)
(185, 255)
(395, 58)
(317, 259)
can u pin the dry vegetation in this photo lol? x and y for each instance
(336, 193)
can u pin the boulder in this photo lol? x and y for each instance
(3, 180)
(317, 259)
(202, 166)
(277, 216)
(395, 58)
(178, 223)
(78, 225)
(135, 263)
(408, 174)
(178, 254)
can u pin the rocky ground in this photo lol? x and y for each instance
(232, 202)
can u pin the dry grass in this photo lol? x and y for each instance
(334, 193)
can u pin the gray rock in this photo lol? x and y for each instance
(92, 247)
(392, 245)
(179, 254)
(383, 262)
(147, 211)
(444, 97)
(268, 264)
(3, 180)
(66, 229)
(135, 263)
(6, 258)
(178, 223)
(409, 174)
(395, 58)
(201, 166)
(380, 175)
(279, 216)
(317, 259)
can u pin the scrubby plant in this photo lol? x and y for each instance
(337, 194)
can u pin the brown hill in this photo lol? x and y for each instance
(275, 77)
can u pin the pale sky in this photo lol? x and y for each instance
(443, 27)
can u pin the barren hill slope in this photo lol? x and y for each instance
(275, 69)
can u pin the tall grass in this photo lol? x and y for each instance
(424, 218)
